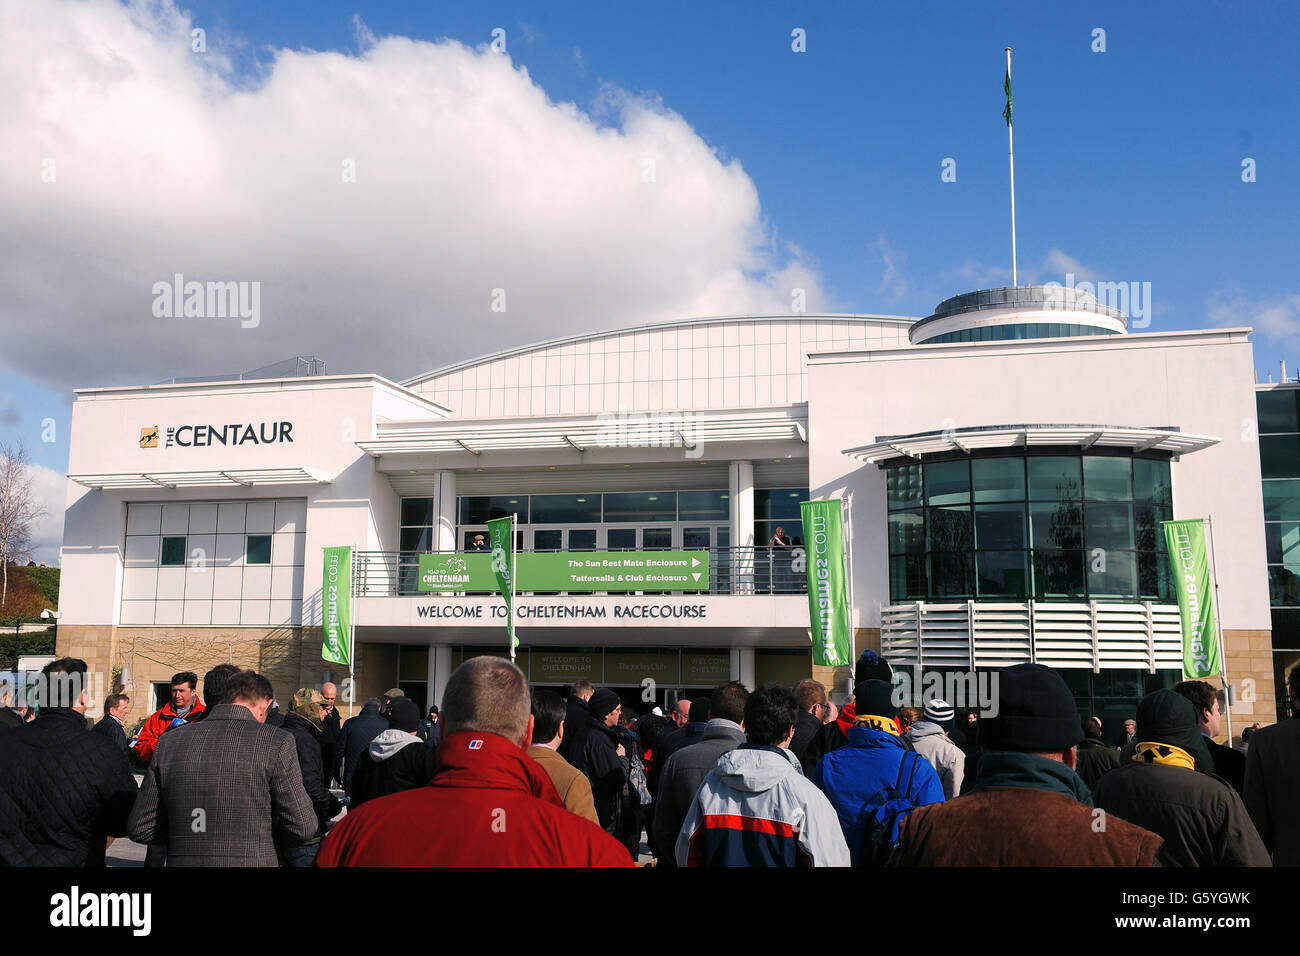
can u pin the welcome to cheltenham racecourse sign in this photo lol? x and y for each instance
(206, 436)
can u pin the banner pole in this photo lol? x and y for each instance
(352, 633)
(1218, 622)
(514, 519)
(847, 506)
(1011, 159)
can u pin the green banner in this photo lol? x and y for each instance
(1189, 564)
(572, 571)
(336, 606)
(501, 539)
(828, 599)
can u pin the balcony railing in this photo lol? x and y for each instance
(976, 635)
(746, 571)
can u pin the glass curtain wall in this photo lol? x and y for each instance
(1051, 527)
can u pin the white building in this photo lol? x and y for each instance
(197, 513)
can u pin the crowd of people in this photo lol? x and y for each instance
(774, 776)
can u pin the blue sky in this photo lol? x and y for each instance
(1129, 161)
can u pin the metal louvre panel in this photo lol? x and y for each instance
(1090, 635)
(680, 476)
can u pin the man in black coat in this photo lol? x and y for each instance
(354, 738)
(572, 747)
(330, 735)
(396, 760)
(113, 724)
(9, 718)
(1228, 763)
(813, 703)
(63, 790)
(1094, 759)
(606, 761)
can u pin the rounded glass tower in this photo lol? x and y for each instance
(1019, 312)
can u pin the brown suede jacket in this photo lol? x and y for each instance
(1013, 826)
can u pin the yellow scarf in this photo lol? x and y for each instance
(1152, 752)
(887, 724)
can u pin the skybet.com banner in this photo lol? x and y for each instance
(1189, 564)
(828, 599)
(336, 609)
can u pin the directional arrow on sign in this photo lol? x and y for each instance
(695, 563)
(696, 575)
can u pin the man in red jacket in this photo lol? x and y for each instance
(181, 709)
(490, 803)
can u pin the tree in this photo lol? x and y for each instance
(19, 510)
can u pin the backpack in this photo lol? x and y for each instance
(636, 779)
(885, 812)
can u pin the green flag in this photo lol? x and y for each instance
(501, 537)
(828, 600)
(1190, 567)
(1006, 113)
(336, 606)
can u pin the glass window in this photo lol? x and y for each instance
(1153, 577)
(1279, 456)
(259, 549)
(903, 484)
(999, 526)
(907, 532)
(416, 539)
(1003, 574)
(1054, 479)
(173, 552)
(907, 578)
(947, 482)
(417, 511)
(1282, 500)
(1058, 575)
(1108, 479)
(700, 505)
(998, 479)
(778, 503)
(1286, 627)
(1107, 526)
(1281, 541)
(565, 509)
(1278, 410)
(951, 575)
(637, 506)
(1149, 529)
(1151, 481)
(1111, 574)
(482, 509)
(1056, 526)
(950, 529)
(1284, 586)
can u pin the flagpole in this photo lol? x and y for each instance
(1011, 157)
(514, 518)
(1218, 620)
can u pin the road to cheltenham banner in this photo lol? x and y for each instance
(336, 606)
(1191, 574)
(574, 572)
(828, 600)
(501, 536)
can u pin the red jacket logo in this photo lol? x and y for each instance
(476, 745)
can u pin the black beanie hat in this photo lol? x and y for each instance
(1167, 717)
(1036, 712)
(874, 697)
(602, 703)
(871, 666)
(403, 715)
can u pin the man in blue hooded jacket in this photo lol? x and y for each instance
(876, 758)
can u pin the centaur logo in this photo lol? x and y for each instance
(133, 910)
(208, 436)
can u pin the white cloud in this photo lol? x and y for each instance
(1276, 319)
(50, 489)
(468, 179)
(1059, 263)
(893, 285)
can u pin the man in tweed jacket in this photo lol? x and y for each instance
(216, 791)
